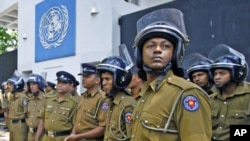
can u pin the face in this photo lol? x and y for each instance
(221, 76)
(63, 87)
(134, 81)
(34, 87)
(200, 78)
(107, 81)
(47, 89)
(157, 52)
(10, 87)
(89, 81)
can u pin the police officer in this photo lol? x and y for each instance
(198, 71)
(230, 103)
(17, 109)
(90, 117)
(115, 78)
(170, 107)
(74, 89)
(50, 90)
(58, 113)
(36, 85)
(135, 83)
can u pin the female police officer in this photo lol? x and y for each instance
(170, 108)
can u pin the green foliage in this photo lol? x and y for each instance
(8, 40)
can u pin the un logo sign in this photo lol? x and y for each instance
(53, 27)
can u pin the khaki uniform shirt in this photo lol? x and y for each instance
(3, 100)
(191, 117)
(52, 93)
(17, 114)
(235, 109)
(118, 121)
(35, 106)
(18, 106)
(58, 116)
(91, 112)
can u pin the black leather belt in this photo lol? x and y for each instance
(59, 133)
(15, 121)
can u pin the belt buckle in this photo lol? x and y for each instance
(31, 130)
(51, 133)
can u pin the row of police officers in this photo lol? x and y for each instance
(167, 106)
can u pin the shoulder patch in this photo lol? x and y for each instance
(191, 103)
(24, 102)
(128, 117)
(105, 106)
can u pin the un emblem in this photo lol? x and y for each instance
(53, 27)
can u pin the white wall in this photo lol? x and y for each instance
(96, 35)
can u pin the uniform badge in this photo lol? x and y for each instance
(105, 106)
(191, 103)
(128, 117)
(24, 102)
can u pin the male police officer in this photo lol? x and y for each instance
(91, 113)
(170, 107)
(50, 90)
(135, 83)
(74, 89)
(230, 103)
(115, 78)
(36, 85)
(198, 70)
(17, 109)
(58, 113)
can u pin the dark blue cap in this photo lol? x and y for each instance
(88, 69)
(64, 76)
(51, 84)
(75, 83)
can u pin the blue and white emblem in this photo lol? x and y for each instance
(191, 103)
(53, 26)
(105, 106)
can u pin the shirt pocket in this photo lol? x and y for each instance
(238, 117)
(64, 113)
(48, 111)
(214, 116)
(150, 120)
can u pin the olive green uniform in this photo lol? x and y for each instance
(50, 94)
(235, 109)
(3, 100)
(17, 114)
(35, 106)
(178, 111)
(118, 121)
(58, 117)
(91, 111)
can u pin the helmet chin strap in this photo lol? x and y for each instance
(161, 73)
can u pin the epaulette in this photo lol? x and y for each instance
(185, 85)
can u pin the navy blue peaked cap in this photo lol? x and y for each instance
(64, 76)
(88, 69)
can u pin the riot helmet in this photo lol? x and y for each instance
(196, 62)
(166, 23)
(229, 59)
(35, 78)
(118, 67)
(17, 82)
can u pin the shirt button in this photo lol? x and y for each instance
(222, 116)
(220, 127)
(225, 102)
(132, 136)
(142, 100)
(237, 114)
